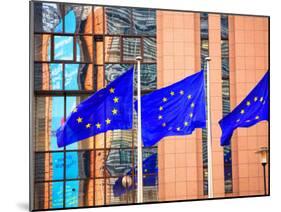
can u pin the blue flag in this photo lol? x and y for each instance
(174, 110)
(253, 109)
(108, 109)
(150, 172)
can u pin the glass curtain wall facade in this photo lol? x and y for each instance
(78, 49)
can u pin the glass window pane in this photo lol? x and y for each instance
(78, 76)
(100, 157)
(118, 20)
(49, 166)
(78, 19)
(148, 77)
(42, 47)
(224, 26)
(47, 76)
(48, 195)
(119, 139)
(84, 48)
(144, 21)
(224, 49)
(98, 20)
(79, 164)
(99, 52)
(119, 162)
(63, 47)
(204, 25)
(112, 71)
(149, 49)
(49, 116)
(99, 192)
(79, 193)
(112, 49)
(131, 48)
(48, 17)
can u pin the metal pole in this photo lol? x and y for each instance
(140, 187)
(264, 177)
(210, 164)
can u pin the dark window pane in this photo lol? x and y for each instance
(47, 76)
(79, 164)
(118, 20)
(78, 77)
(48, 17)
(63, 47)
(78, 19)
(148, 77)
(204, 25)
(144, 21)
(119, 162)
(48, 195)
(224, 49)
(49, 116)
(131, 48)
(42, 47)
(149, 51)
(79, 193)
(112, 49)
(84, 49)
(224, 26)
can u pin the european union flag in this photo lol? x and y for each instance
(253, 109)
(108, 109)
(150, 172)
(174, 110)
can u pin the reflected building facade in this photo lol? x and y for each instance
(79, 49)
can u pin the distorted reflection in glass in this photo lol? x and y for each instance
(112, 49)
(149, 49)
(131, 48)
(63, 48)
(144, 21)
(118, 20)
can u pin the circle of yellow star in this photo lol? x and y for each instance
(181, 92)
(116, 99)
(237, 120)
(98, 125)
(88, 125)
(114, 111)
(160, 108)
(164, 124)
(190, 115)
(185, 123)
(160, 117)
(107, 121)
(248, 103)
(192, 104)
(164, 99)
(257, 117)
(79, 120)
(189, 96)
(178, 128)
(74, 110)
(111, 90)
(242, 111)
(256, 99)
(261, 99)
(172, 93)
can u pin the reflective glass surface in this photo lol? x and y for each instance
(131, 48)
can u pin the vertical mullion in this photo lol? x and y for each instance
(64, 155)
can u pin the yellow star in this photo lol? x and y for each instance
(107, 121)
(164, 99)
(190, 115)
(79, 120)
(160, 117)
(114, 111)
(116, 99)
(181, 92)
(88, 125)
(185, 123)
(178, 128)
(248, 103)
(98, 125)
(111, 90)
(237, 120)
(189, 96)
(160, 108)
(172, 93)
(248, 120)
(74, 110)
(164, 124)
(261, 99)
(192, 104)
(256, 99)
(257, 117)
(242, 111)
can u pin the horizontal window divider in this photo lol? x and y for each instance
(62, 92)
(63, 61)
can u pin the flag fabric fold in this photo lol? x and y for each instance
(253, 109)
(150, 172)
(108, 109)
(174, 110)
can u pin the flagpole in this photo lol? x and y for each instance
(140, 176)
(209, 137)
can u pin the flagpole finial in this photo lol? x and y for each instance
(207, 58)
(138, 58)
